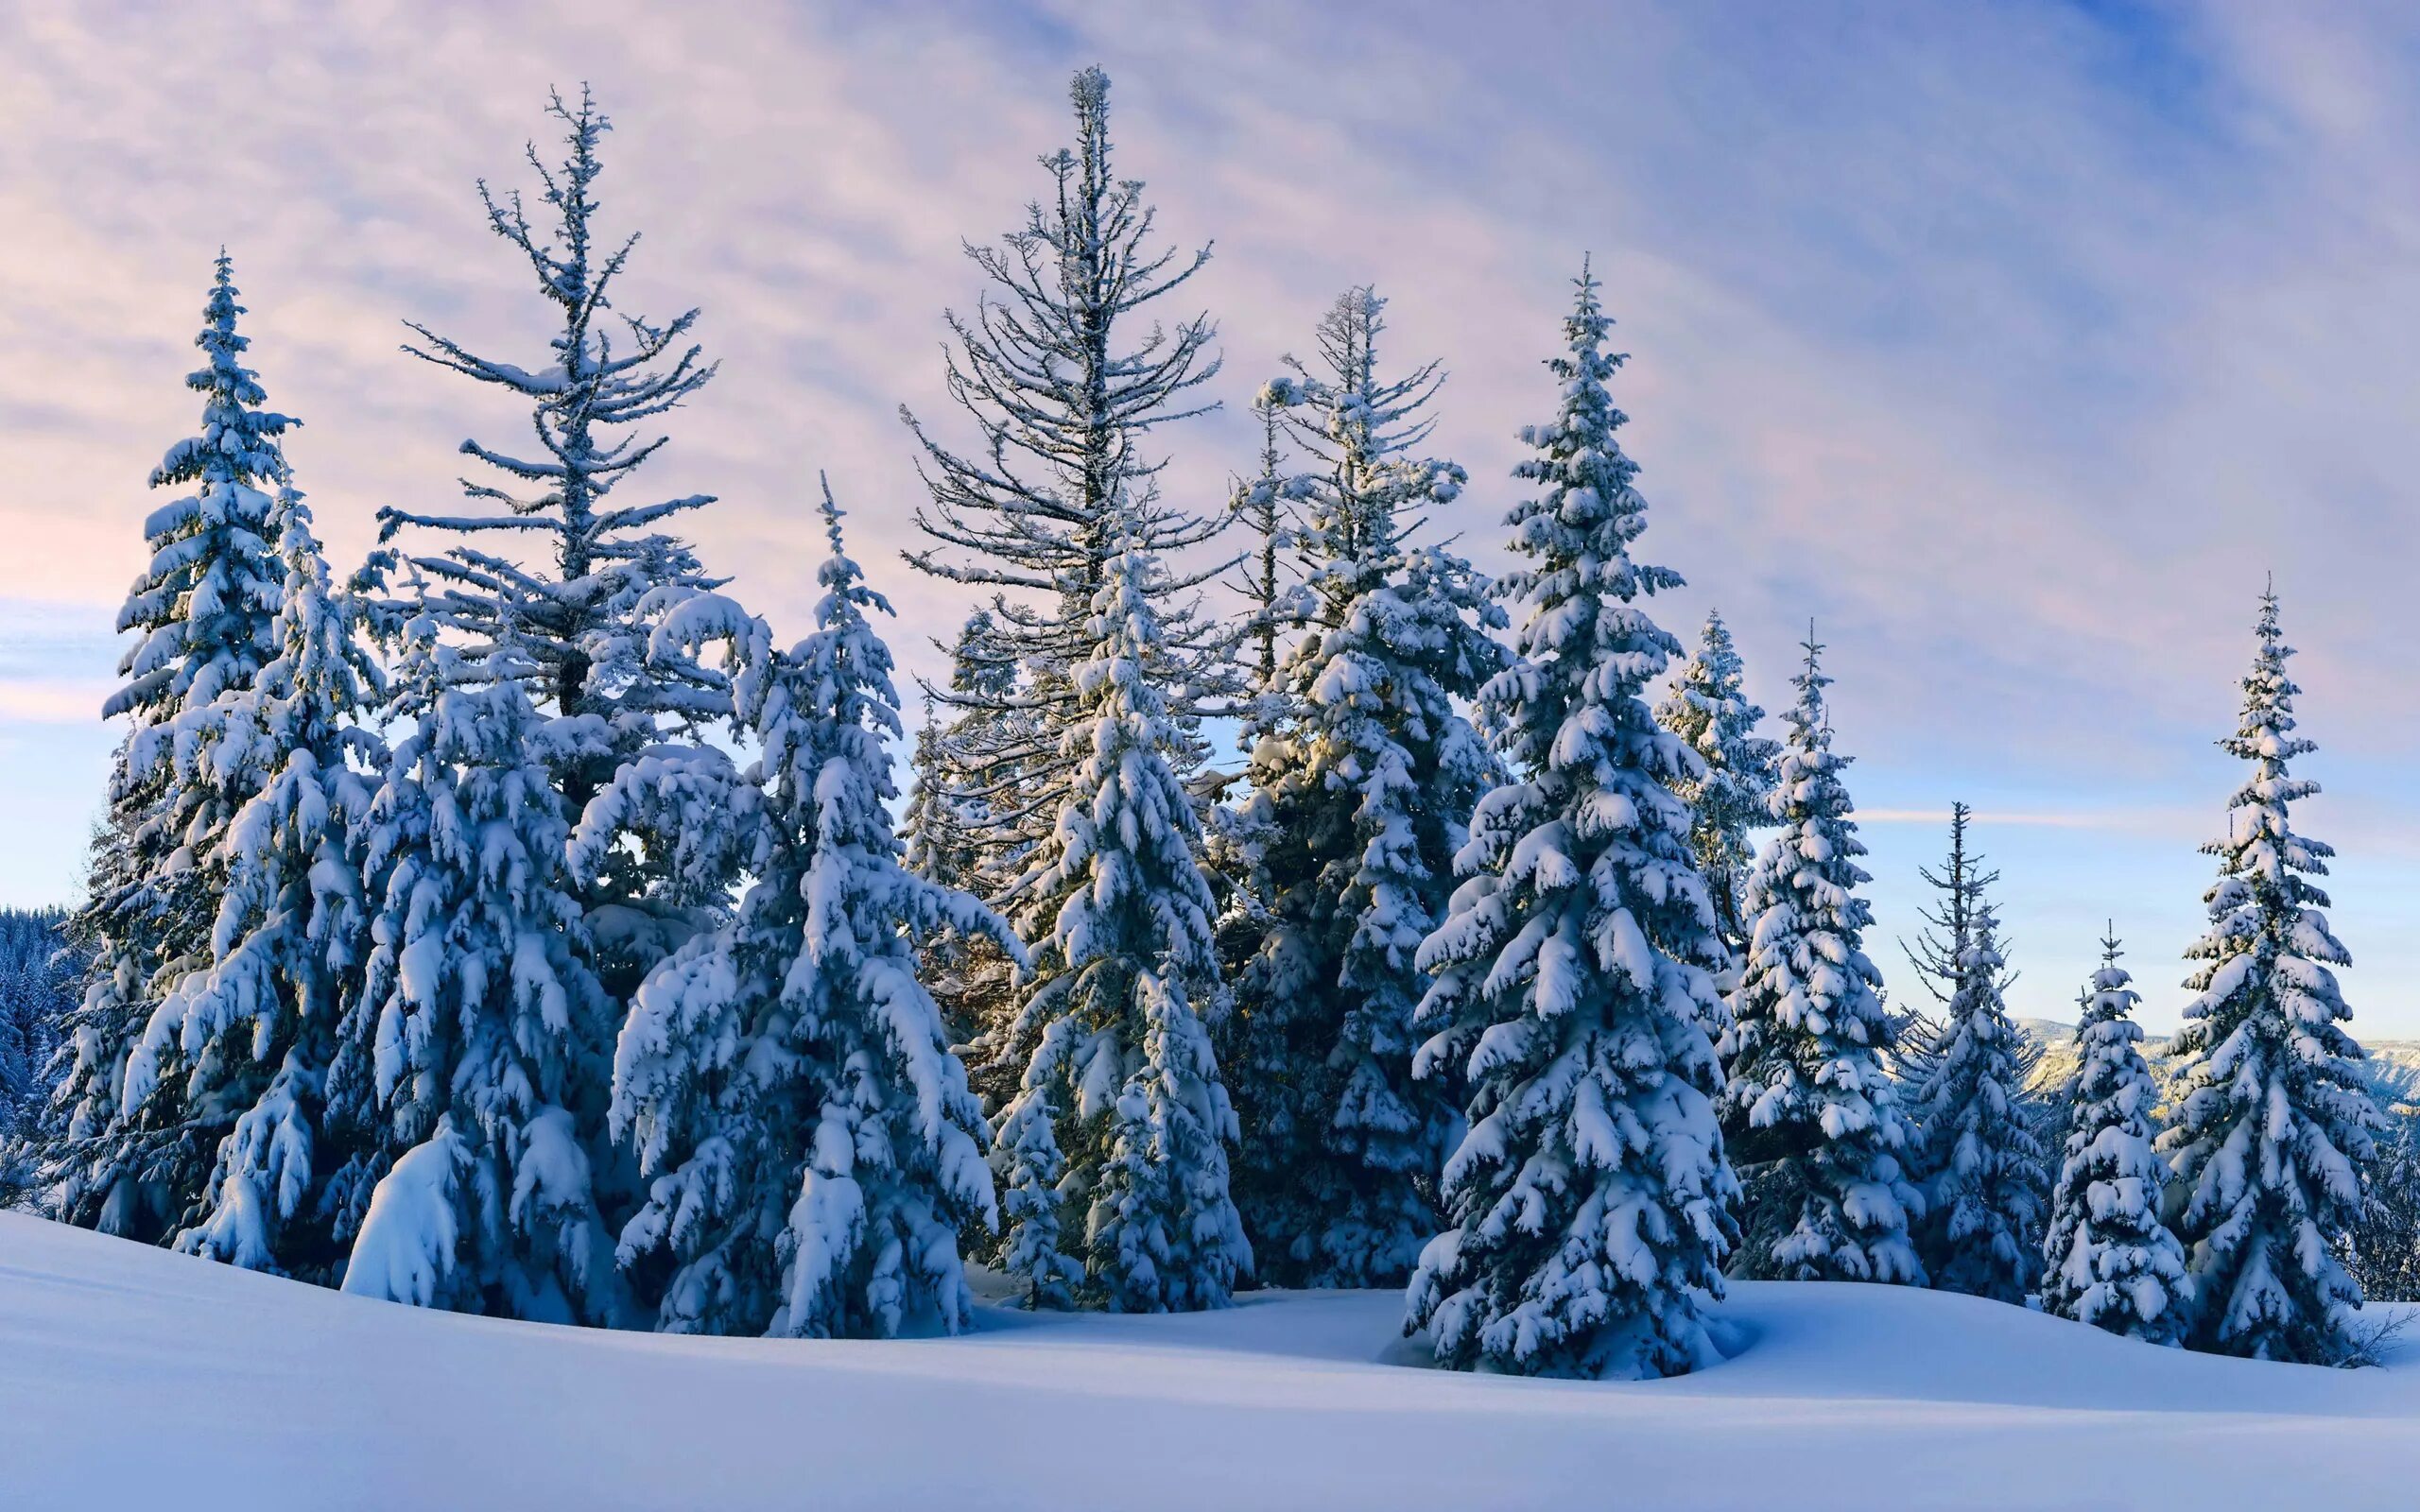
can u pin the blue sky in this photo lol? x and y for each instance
(2014, 343)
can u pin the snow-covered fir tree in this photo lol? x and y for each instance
(1983, 1171)
(573, 575)
(1708, 709)
(2110, 1260)
(202, 613)
(1113, 1152)
(1811, 1116)
(1362, 780)
(477, 1054)
(2274, 1126)
(1065, 376)
(256, 1028)
(1589, 1205)
(809, 1144)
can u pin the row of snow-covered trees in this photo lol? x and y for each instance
(518, 924)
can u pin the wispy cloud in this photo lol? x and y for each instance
(2015, 344)
(52, 702)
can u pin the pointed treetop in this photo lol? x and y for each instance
(2263, 734)
(849, 596)
(237, 438)
(1586, 309)
(832, 513)
(1811, 721)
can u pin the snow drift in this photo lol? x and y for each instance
(132, 1378)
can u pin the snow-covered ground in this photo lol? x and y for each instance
(130, 1377)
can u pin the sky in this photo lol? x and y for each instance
(2014, 346)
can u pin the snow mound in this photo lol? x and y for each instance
(134, 1376)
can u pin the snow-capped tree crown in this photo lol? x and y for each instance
(1366, 494)
(204, 607)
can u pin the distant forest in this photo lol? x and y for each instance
(38, 975)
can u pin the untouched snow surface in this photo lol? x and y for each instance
(135, 1377)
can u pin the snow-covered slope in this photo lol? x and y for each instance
(132, 1378)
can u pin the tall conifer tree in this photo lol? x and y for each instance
(1114, 1151)
(1362, 787)
(2275, 1125)
(202, 616)
(2111, 1261)
(1589, 1206)
(478, 1053)
(1809, 1114)
(1982, 1169)
(810, 1147)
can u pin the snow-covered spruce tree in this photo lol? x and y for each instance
(1811, 1117)
(1065, 382)
(581, 614)
(1362, 787)
(1709, 710)
(1983, 1171)
(476, 1051)
(1589, 1204)
(256, 1028)
(1114, 1153)
(2111, 1262)
(2274, 1125)
(809, 1144)
(202, 613)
